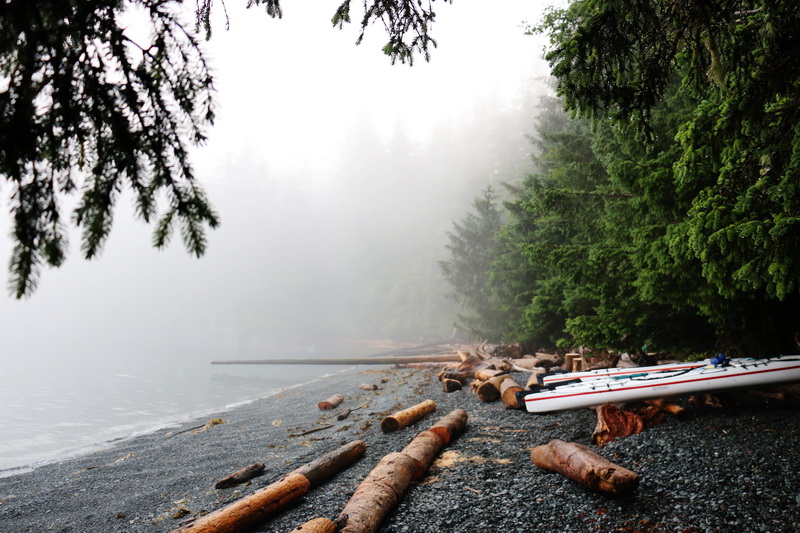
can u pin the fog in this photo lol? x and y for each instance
(336, 176)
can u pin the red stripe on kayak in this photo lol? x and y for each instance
(654, 385)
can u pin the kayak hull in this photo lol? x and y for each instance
(738, 373)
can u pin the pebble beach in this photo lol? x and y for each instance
(735, 468)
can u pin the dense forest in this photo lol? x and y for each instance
(664, 211)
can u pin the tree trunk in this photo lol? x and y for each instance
(406, 417)
(385, 485)
(326, 466)
(240, 476)
(317, 525)
(451, 425)
(251, 510)
(331, 403)
(508, 393)
(255, 508)
(582, 465)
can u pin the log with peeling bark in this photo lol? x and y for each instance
(508, 393)
(489, 390)
(331, 403)
(406, 417)
(451, 425)
(583, 466)
(614, 423)
(248, 512)
(240, 476)
(451, 385)
(317, 525)
(383, 488)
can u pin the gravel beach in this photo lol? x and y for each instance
(730, 469)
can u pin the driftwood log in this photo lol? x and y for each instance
(489, 390)
(406, 417)
(533, 379)
(385, 485)
(582, 465)
(508, 393)
(240, 476)
(614, 423)
(331, 403)
(451, 385)
(251, 510)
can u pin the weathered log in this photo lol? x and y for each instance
(568, 359)
(485, 374)
(489, 390)
(385, 485)
(453, 373)
(422, 365)
(331, 403)
(343, 414)
(406, 417)
(614, 423)
(317, 525)
(251, 510)
(240, 476)
(508, 393)
(312, 430)
(578, 363)
(451, 425)
(368, 386)
(379, 493)
(533, 379)
(451, 385)
(326, 466)
(424, 448)
(582, 465)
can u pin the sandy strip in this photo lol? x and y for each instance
(735, 469)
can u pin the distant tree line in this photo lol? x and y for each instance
(665, 210)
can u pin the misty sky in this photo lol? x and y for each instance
(300, 109)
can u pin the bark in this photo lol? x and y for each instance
(451, 425)
(317, 525)
(424, 448)
(508, 393)
(240, 476)
(326, 466)
(406, 417)
(582, 465)
(331, 403)
(379, 493)
(251, 510)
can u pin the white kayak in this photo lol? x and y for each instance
(557, 378)
(732, 374)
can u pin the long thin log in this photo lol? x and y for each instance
(326, 466)
(392, 360)
(251, 510)
(240, 476)
(406, 417)
(385, 485)
(485, 374)
(582, 465)
(331, 403)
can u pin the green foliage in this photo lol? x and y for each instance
(86, 109)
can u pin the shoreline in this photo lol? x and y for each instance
(731, 469)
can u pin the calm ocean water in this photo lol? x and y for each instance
(48, 412)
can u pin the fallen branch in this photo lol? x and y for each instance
(240, 476)
(312, 430)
